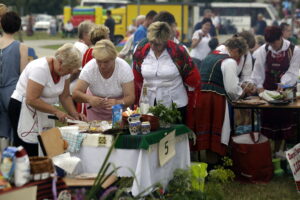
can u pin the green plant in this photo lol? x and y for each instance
(102, 175)
(180, 188)
(167, 115)
(222, 173)
(181, 182)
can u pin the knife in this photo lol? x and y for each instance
(68, 120)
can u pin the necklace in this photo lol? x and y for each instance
(54, 75)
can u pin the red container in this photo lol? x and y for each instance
(154, 121)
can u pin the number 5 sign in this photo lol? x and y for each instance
(166, 148)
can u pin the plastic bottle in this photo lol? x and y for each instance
(22, 170)
(144, 103)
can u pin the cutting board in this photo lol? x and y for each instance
(51, 142)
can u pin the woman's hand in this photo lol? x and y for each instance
(260, 90)
(80, 116)
(108, 103)
(96, 101)
(62, 117)
(249, 88)
(200, 36)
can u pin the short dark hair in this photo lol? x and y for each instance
(151, 14)
(10, 22)
(213, 43)
(165, 16)
(108, 12)
(205, 20)
(272, 33)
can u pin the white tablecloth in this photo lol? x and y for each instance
(143, 163)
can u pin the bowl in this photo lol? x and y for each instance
(154, 121)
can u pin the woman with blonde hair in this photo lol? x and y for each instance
(165, 69)
(109, 79)
(43, 83)
(98, 32)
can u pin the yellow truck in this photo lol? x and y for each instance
(180, 12)
(123, 16)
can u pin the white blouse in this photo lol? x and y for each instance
(81, 47)
(289, 78)
(38, 71)
(229, 69)
(202, 49)
(163, 80)
(244, 67)
(111, 87)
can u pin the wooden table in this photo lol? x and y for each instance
(295, 105)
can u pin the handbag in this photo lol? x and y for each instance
(252, 157)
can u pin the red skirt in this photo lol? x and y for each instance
(278, 124)
(206, 120)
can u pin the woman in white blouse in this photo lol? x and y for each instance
(164, 68)
(109, 79)
(43, 83)
(200, 40)
(277, 61)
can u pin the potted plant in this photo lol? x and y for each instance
(167, 116)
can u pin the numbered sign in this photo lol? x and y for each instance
(166, 148)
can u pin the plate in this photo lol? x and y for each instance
(279, 102)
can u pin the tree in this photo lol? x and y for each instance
(51, 7)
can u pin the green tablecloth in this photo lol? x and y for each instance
(144, 141)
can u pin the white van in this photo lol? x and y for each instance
(242, 16)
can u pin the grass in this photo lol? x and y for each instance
(280, 188)
(54, 46)
(41, 35)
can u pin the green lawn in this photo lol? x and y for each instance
(54, 46)
(280, 188)
(41, 35)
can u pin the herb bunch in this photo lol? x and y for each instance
(168, 115)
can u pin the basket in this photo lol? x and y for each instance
(41, 167)
(154, 121)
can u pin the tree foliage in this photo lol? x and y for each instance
(52, 7)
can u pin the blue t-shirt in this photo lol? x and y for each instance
(139, 34)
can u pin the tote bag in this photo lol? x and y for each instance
(252, 157)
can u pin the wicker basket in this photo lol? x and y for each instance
(41, 167)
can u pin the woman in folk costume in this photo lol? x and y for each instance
(219, 82)
(165, 68)
(277, 61)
